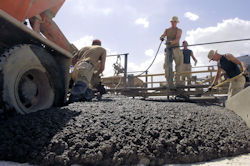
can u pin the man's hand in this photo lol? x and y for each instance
(245, 72)
(195, 62)
(162, 38)
(210, 88)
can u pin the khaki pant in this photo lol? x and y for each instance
(236, 86)
(186, 68)
(83, 71)
(178, 59)
(96, 79)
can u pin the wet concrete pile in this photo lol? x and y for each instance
(123, 131)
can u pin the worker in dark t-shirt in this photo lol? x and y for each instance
(187, 53)
(230, 65)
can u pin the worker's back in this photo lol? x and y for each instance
(93, 54)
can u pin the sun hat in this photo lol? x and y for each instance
(174, 18)
(211, 54)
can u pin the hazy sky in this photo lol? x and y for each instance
(134, 27)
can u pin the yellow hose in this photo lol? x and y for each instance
(231, 79)
(220, 84)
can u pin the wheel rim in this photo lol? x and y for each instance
(33, 91)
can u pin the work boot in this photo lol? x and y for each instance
(181, 96)
(88, 95)
(77, 93)
(100, 88)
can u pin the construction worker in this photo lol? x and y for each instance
(229, 64)
(173, 35)
(187, 53)
(87, 62)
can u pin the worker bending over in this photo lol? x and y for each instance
(187, 53)
(229, 64)
(88, 62)
(173, 35)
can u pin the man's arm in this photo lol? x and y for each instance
(216, 78)
(192, 55)
(236, 61)
(78, 55)
(178, 37)
(163, 35)
(103, 60)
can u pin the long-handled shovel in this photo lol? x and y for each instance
(224, 82)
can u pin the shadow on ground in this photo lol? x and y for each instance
(24, 137)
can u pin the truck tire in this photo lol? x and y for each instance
(31, 81)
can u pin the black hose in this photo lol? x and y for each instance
(152, 61)
(226, 41)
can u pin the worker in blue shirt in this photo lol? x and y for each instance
(187, 53)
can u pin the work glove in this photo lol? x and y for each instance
(210, 88)
(245, 72)
(101, 89)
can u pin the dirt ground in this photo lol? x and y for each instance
(123, 131)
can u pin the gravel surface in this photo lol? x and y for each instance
(123, 131)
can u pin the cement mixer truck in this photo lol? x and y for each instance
(34, 59)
